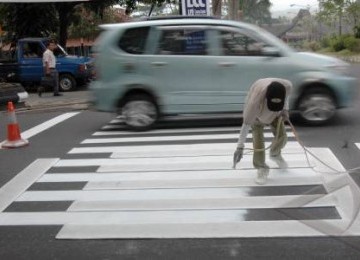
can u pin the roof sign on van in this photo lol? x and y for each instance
(196, 7)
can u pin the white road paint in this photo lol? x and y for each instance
(180, 184)
(23, 180)
(174, 131)
(48, 124)
(206, 204)
(175, 163)
(174, 150)
(240, 176)
(168, 138)
(358, 145)
(286, 228)
(191, 192)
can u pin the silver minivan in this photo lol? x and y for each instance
(171, 66)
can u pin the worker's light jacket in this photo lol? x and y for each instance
(256, 110)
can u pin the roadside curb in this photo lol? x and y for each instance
(54, 107)
(69, 100)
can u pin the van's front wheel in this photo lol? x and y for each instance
(316, 106)
(139, 112)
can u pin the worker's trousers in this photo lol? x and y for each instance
(279, 141)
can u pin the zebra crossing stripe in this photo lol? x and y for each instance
(178, 184)
(11, 190)
(276, 174)
(168, 138)
(286, 228)
(286, 201)
(176, 131)
(176, 163)
(358, 145)
(174, 150)
(144, 194)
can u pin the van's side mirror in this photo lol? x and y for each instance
(271, 52)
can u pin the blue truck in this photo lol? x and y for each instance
(23, 64)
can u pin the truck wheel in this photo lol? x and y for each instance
(316, 106)
(66, 82)
(139, 112)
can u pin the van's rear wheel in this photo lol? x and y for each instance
(139, 112)
(66, 82)
(316, 106)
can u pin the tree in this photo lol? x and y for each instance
(353, 9)
(339, 10)
(255, 11)
(28, 20)
(33, 19)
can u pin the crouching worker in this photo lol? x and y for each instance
(266, 104)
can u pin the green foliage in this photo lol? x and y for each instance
(352, 44)
(357, 31)
(312, 45)
(344, 42)
(28, 20)
(325, 42)
(256, 11)
(337, 43)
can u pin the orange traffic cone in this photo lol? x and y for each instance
(14, 139)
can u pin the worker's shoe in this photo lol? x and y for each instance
(262, 174)
(279, 160)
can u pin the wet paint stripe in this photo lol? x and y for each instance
(178, 131)
(17, 185)
(169, 138)
(165, 143)
(286, 228)
(197, 183)
(177, 163)
(287, 201)
(156, 194)
(172, 150)
(240, 176)
(126, 218)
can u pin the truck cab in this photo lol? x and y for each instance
(73, 70)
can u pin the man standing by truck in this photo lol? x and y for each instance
(49, 63)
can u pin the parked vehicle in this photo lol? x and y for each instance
(147, 69)
(13, 92)
(26, 61)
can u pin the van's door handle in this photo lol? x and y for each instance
(226, 64)
(158, 63)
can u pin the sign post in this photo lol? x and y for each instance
(195, 7)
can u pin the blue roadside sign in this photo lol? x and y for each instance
(196, 7)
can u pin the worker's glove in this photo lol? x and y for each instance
(238, 154)
(285, 115)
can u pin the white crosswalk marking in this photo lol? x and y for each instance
(145, 188)
(358, 145)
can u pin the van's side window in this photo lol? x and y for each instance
(238, 44)
(182, 42)
(133, 40)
